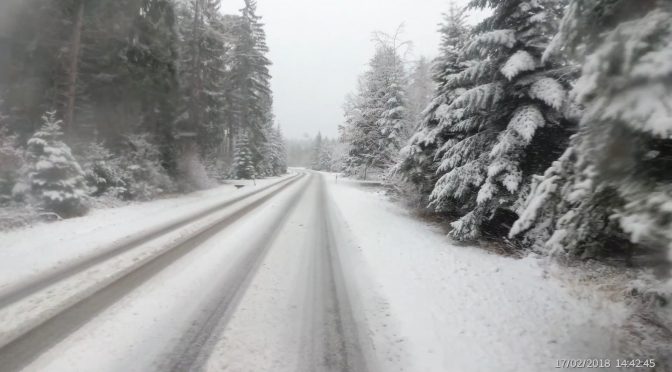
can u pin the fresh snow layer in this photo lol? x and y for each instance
(267, 330)
(20, 316)
(419, 302)
(432, 305)
(31, 251)
(139, 332)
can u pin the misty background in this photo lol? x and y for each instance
(319, 48)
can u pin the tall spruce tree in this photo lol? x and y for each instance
(251, 78)
(128, 75)
(203, 72)
(243, 162)
(417, 163)
(509, 120)
(326, 157)
(159, 70)
(376, 118)
(317, 150)
(11, 162)
(277, 157)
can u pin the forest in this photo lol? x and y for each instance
(548, 129)
(105, 101)
(498, 201)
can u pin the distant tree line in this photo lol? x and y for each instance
(147, 96)
(320, 153)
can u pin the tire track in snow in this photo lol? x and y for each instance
(197, 344)
(22, 290)
(331, 338)
(30, 345)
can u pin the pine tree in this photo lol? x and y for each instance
(243, 163)
(274, 155)
(359, 133)
(11, 162)
(326, 157)
(56, 180)
(417, 164)
(278, 155)
(203, 70)
(128, 80)
(376, 118)
(615, 190)
(509, 120)
(317, 150)
(251, 79)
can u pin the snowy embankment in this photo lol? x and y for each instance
(33, 251)
(431, 305)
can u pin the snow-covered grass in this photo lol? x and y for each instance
(432, 305)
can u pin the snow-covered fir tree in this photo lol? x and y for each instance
(178, 77)
(326, 158)
(279, 160)
(103, 171)
(417, 164)
(11, 162)
(376, 118)
(323, 154)
(251, 79)
(56, 180)
(145, 176)
(508, 121)
(317, 151)
(389, 81)
(204, 61)
(274, 153)
(225, 78)
(611, 193)
(243, 162)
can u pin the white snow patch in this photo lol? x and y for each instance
(460, 308)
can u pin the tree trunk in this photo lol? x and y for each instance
(196, 83)
(73, 71)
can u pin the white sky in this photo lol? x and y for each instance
(319, 48)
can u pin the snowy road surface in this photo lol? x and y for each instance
(294, 274)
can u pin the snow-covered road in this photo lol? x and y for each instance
(297, 274)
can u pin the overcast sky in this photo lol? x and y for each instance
(319, 47)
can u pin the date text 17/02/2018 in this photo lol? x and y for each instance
(605, 363)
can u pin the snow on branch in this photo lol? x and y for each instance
(521, 61)
(474, 72)
(549, 91)
(520, 131)
(481, 97)
(487, 40)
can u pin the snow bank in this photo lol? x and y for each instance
(436, 306)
